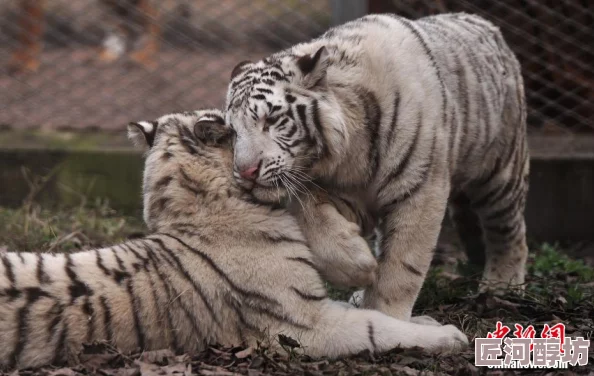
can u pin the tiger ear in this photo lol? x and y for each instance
(314, 67)
(212, 131)
(142, 133)
(239, 68)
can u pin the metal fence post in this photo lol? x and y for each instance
(347, 10)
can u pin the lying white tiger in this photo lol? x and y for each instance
(217, 269)
(403, 114)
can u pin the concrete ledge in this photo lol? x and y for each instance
(560, 203)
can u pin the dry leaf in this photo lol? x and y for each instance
(96, 361)
(62, 372)
(157, 356)
(244, 353)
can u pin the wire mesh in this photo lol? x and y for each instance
(553, 41)
(101, 63)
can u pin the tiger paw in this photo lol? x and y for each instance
(447, 340)
(344, 257)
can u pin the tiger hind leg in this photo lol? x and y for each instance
(499, 204)
(468, 227)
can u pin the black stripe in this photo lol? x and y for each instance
(283, 147)
(191, 184)
(282, 317)
(282, 123)
(303, 119)
(180, 268)
(409, 25)
(88, 310)
(348, 204)
(33, 294)
(131, 249)
(393, 122)
(306, 296)
(60, 351)
(260, 97)
(219, 271)
(56, 309)
(8, 268)
(411, 191)
(509, 207)
(239, 313)
(118, 259)
(319, 129)
(290, 113)
(188, 145)
(100, 264)
(106, 318)
(294, 143)
(77, 288)
(278, 238)
(464, 103)
(486, 180)
(140, 340)
(154, 264)
(119, 276)
(474, 66)
(371, 334)
(159, 312)
(292, 131)
(412, 269)
(263, 90)
(492, 195)
(309, 263)
(158, 206)
(503, 230)
(163, 182)
(303, 260)
(402, 197)
(42, 277)
(373, 118)
(406, 159)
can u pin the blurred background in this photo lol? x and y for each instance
(74, 73)
(100, 63)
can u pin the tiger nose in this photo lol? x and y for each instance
(250, 173)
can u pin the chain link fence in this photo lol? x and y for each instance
(101, 63)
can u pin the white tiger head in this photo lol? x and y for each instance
(188, 161)
(285, 120)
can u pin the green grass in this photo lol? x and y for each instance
(90, 225)
(549, 262)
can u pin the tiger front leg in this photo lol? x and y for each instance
(411, 222)
(341, 254)
(341, 331)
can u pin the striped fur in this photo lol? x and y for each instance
(218, 268)
(404, 115)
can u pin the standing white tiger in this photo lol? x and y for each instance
(404, 114)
